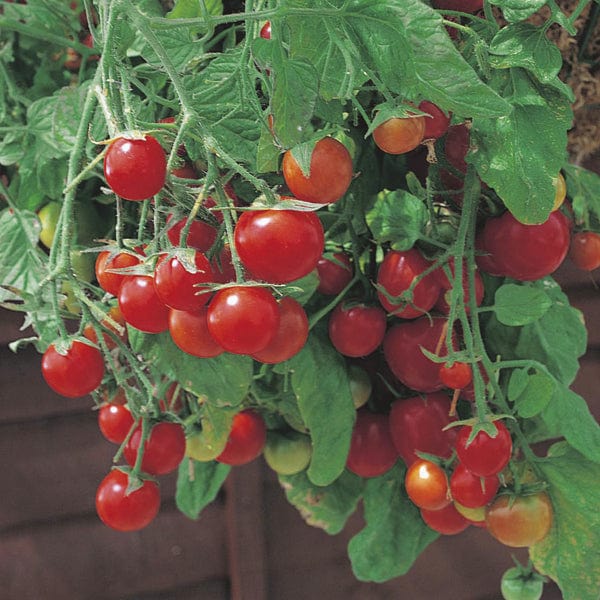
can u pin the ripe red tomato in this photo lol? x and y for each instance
(471, 490)
(114, 313)
(279, 246)
(265, 31)
(402, 350)
(163, 451)
(330, 173)
(485, 455)
(201, 235)
(356, 329)
(427, 485)
(399, 135)
(135, 169)
(222, 266)
(522, 521)
(447, 520)
(418, 423)
(526, 252)
(457, 376)
(77, 373)
(372, 452)
(246, 439)
(396, 274)
(243, 319)
(335, 273)
(122, 511)
(111, 282)
(291, 334)
(436, 125)
(189, 331)
(585, 250)
(115, 421)
(179, 288)
(140, 305)
(457, 145)
(467, 6)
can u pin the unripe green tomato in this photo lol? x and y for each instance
(83, 265)
(70, 303)
(516, 586)
(360, 385)
(200, 448)
(48, 216)
(473, 514)
(288, 453)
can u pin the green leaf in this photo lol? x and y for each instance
(267, 154)
(519, 304)
(394, 534)
(189, 9)
(518, 10)
(302, 289)
(198, 484)
(397, 217)
(525, 45)
(180, 44)
(224, 380)
(583, 187)
(570, 553)
(531, 393)
(320, 382)
(327, 507)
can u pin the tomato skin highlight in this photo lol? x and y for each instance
(140, 305)
(427, 485)
(122, 511)
(585, 250)
(189, 332)
(485, 455)
(357, 329)
(399, 135)
(114, 422)
(135, 169)
(246, 439)
(447, 520)
(330, 173)
(77, 373)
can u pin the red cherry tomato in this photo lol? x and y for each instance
(396, 274)
(222, 266)
(399, 135)
(189, 331)
(201, 235)
(471, 490)
(265, 31)
(122, 511)
(140, 305)
(135, 169)
(115, 421)
(436, 125)
(485, 455)
(291, 335)
(108, 281)
(417, 424)
(427, 485)
(356, 329)
(585, 250)
(335, 273)
(115, 314)
(163, 451)
(456, 377)
(447, 521)
(77, 373)
(246, 439)
(243, 319)
(457, 145)
(179, 288)
(372, 452)
(279, 246)
(330, 173)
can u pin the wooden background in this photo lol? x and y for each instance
(249, 544)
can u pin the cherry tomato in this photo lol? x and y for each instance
(522, 521)
(186, 171)
(396, 274)
(108, 281)
(526, 252)
(279, 246)
(360, 385)
(265, 31)
(77, 373)
(399, 135)
(288, 453)
(356, 329)
(485, 455)
(585, 250)
(447, 520)
(48, 216)
(436, 125)
(201, 235)
(457, 144)
(189, 332)
(476, 516)
(561, 192)
(163, 451)
(291, 334)
(372, 452)
(122, 511)
(115, 421)
(427, 485)
(417, 424)
(243, 319)
(330, 173)
(222, 266)
(516, 585)
(114, 313)
(246, 439)
(335, 273)
(471, 490)
(135, 169)
(140, 305)
(179, 288)
(457, 376)
(402, 350)
(467, 6)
